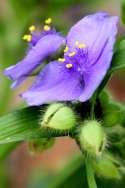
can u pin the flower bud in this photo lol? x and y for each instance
(105, 97)
(113, 114)
(92, 137)
(37, 146)
(58, 116)
(106, 168)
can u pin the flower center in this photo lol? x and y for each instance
(76, 59)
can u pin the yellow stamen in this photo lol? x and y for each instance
(48, 21)
(46, 27)
(28, 38)
(66, 49)
(72, 54)
(32, 28)
(61, 59)
(77, 42)
(80, 45)
(69, 65)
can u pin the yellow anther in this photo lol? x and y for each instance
(61, 59)
(32, 28)
(48, 21)
(46, 28)
(77, 42)
(69, 65)
(66, 49)
(28, 38)
(72, 54)
(25, 37)
(80, 45)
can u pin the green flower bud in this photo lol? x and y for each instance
(58, 116)
(104, 97)
(113, 114)
(92, 137)
(37, 146)
(106, 168)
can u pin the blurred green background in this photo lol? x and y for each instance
(20, 169)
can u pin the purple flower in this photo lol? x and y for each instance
(76, 75)
(41, 45)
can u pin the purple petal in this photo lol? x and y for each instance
(98, 32)
(37, 35)
(93, 31)
(18, 82)
(94, 76)
(45, 46)
(55, 83)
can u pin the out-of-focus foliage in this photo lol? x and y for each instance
(72, 175)
(123, 10)
(118, 63)
(119, 57)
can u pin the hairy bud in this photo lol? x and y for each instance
(92, 137)
(106, 166)
(58, 116)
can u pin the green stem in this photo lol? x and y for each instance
(90, 174)
(92, 113)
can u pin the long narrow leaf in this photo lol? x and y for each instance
(24, 125)
(18, 125)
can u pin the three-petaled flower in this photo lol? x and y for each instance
(77, 74)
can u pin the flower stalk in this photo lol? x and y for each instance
(90, 173)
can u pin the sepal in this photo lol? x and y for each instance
(38, 146)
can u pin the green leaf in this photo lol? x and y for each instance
(118, 61)
(19, 125)
(123, 11)
(24, 125)
(6, 149)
